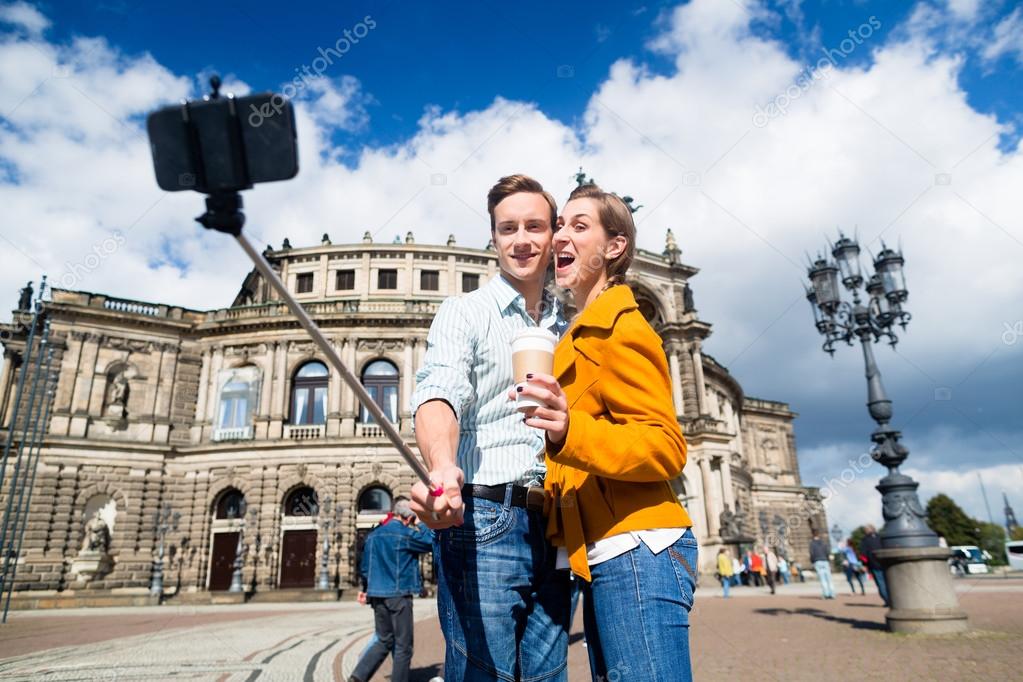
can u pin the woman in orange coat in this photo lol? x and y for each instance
(613, 445)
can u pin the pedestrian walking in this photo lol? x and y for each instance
(390, 575)
(724, 571)
(870, 543)
(821, 558)
(770, 566)
(783, 570)
(852, 567)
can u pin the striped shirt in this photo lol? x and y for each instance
(468, 364)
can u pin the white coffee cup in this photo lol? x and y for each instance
(532, 353)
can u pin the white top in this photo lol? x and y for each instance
(657, 539)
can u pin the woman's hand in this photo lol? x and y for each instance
(554, 418)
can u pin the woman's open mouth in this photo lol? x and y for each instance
(564, 260)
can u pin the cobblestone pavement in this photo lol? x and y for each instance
(793, 635)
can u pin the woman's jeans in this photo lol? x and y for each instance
(504, 608)
(636, 614)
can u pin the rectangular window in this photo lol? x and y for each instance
(344, 280)
(387, 279)
(470, 282)
(429, 280)
(304, 283)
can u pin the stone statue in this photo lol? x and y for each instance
(25, 300)
(286, 244)
(627, 200)
(687, 299)
(409, 238)
(325, 240)
(451, 240)
(97, 535)
(117, 398)
(580, 179)
(729, 524)
(669, 242)
(367, 238)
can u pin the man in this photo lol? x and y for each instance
(390, 573)
(820, 556)
(870, 543)
(504, 608)
(771, 566)
(724, 570)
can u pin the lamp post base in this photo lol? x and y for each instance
(921, 592)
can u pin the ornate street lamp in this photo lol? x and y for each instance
(910, 546)
(165, 520)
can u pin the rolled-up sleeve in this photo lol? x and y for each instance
(445, 374)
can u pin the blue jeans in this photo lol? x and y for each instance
(636, 614)
(823, 569)
(725, 582)
(503, 607)
(882, 584)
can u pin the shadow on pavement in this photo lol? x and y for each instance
(817, 613)
(424, 674)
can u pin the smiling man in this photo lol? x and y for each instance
(503, 607)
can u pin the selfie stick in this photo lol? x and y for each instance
(224, 214)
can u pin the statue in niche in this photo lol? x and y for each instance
(729, 523)
(118, 390)
(687, 299)
(97, 535)
(25, 298)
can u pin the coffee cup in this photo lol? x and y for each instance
(532, 353)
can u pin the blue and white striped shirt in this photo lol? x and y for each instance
(468, 364)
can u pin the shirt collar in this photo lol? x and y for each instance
(505, 295)
(603, 312)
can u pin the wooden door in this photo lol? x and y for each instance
(298, 559)
(222, 560)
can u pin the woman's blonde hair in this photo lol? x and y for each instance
(616, 219)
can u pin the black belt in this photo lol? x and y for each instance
(530, 498)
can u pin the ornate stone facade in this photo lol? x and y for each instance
(227, 416)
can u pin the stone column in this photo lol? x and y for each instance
(405, 393)
(701, 387)
(726, 481)
(5, 385)
(709, 502)
(278, 398)
(83, 385)
(200, 402)
(676, 381)
(334, 398)
(213, 392)
(348, 402)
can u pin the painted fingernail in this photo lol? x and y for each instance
(518, 389)
(529, 376)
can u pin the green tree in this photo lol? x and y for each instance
(992, 540)
(1017, 533)
(857, 536)
(946, 518)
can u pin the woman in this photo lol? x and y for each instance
(852, 567)
(613, 443)
(724, 571)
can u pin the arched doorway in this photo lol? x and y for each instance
(228, 510)
(298, 540)
(373, 505)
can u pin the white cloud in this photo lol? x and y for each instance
(1007, 38)
(25, 17)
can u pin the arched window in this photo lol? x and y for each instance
(231, 505)
(302, 502)
(309, 394)
(381, 381)
(375, 500)
(239, 394)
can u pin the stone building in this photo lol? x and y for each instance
(232, 419)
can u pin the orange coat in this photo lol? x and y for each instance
(610, 474)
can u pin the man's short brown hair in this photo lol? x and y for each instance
(514, 184)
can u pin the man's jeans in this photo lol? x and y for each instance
(393, 617)
(823, 569)
(636, 614)
(882, 585)
(503, 607)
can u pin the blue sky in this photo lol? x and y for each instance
(658, 100)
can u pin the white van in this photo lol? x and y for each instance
(1014, 551)
(967, 560)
